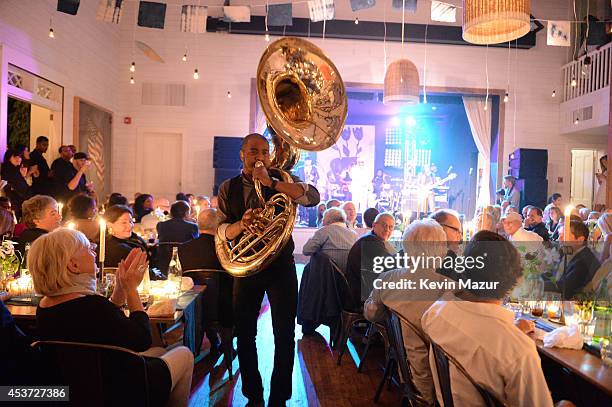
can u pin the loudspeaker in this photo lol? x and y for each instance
(226, 152)
(533, 192)
(529, 163)
(222, 174)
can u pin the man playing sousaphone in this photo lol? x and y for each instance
(239, 208)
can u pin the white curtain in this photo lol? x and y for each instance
(480, 124)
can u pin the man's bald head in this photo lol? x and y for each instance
(252, 136)
(208, 221)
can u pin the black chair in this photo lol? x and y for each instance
(443, 361)
(373, 330)
(397, 359)
(210, 299)
(98, 375)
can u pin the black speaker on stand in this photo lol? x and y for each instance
(530, 166)
(226, 159)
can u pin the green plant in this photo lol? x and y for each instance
(18, 123)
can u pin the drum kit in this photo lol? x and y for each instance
(398, 196)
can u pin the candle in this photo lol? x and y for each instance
(197, 212)
(60, 207)
(71, 225)
(552, 310)
(102, 240)
(566, 223)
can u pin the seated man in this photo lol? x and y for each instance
(534, 223)
(360, 258)
(351, 214)
(200, 254)
(424, 238)
(334, 239)
(582, 265)
(472, 326)
(159, 214)
(173, 232)
(513, 226)
(449, 220)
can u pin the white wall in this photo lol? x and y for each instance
(83, 56)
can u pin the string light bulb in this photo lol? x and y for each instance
(485, 107)
(506, 98)
(229, 94)
(577, 120)
(51, 32)
(554, 94)
(573, 83)
(196, 74)
(131, 80)
(267, 37)
(133, 67)
(184, 59)
(356, 20)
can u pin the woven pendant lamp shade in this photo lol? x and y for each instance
(401, 83)
(495, 21)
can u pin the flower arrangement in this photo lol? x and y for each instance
(10, 260)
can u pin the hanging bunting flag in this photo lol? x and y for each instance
(109, 11)
(558, 33)
(237, 14)
(409, 5)
(280, 14)
(68, 6)
(193, 19)
(151, 14)
(443, 12)
(321, 10)
(362, 4)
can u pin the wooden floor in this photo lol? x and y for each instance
(317, 380)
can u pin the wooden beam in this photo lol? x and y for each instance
(365, 30)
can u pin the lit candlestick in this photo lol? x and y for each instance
(60, 207)
(197, 212)
(71, 225)
(102, 240)
(566, 223)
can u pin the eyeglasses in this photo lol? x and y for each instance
(452, 227)
(387, 227)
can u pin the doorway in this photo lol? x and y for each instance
(584, 185)
(159, 161)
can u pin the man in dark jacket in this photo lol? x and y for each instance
(583, 264)
(534, 223)
(41, 184)
(173, 232)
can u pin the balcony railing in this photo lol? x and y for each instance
(580, 79)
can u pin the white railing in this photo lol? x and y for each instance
(580, 79)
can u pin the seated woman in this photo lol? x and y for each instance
(63, 267)
(82, 210)
(143, 205)
(40, 215)
(122, 239)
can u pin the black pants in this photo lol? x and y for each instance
(280, 283)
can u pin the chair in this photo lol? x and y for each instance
(209, 277)
(99, 375)
(397, 359)
(443, 361)
(373, 329)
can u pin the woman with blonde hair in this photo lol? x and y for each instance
(64, 270)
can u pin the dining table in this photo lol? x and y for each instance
(188, 315)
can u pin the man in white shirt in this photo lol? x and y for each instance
(351, 214)
(472, 326)
(162, 210)
(424, 238)
(513, 226)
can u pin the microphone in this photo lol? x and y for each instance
(471, 170)
(450, 168)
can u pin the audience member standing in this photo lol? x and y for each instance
(41, 184)
(69, 176)
(602, 180)
(13, 172)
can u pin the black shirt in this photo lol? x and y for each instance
(199, 254)
(63, 173)
(40, 184)
(28, 236)
(541, 230)
(94, 319)
(118, 249)
(17, 189)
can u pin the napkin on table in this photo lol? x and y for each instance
(565, 337)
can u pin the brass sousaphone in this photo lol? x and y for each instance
(303, 98)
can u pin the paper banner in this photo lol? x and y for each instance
(68, 6)
(321, 10)
(280, 14)
(193, 19)
(443, 12)
(110, 11)
(362, 4)
(410, 5)
(151, 14)
(237, 14)
(558, 33)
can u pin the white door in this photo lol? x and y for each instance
(583, 174)
(159, 163)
